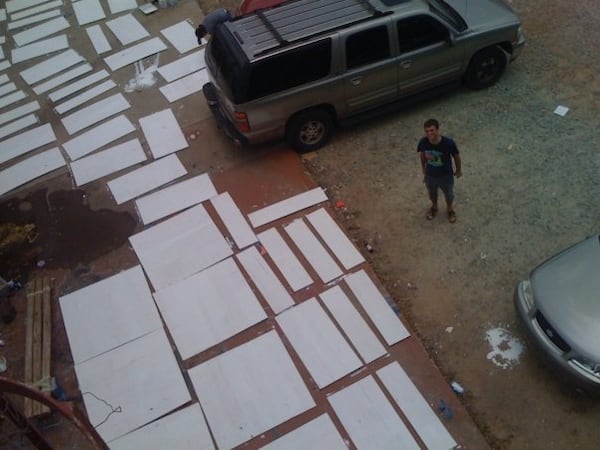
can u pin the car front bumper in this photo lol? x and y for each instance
(561, 360)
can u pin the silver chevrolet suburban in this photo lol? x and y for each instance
(298, 69)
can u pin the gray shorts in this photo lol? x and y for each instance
(445, 183)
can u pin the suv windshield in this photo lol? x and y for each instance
(449, 13)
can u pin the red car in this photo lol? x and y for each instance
(248, 6)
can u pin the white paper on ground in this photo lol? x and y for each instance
(250, 389)
(7, 88)
(4, 79)
(181, 36)
(97, 137)
(62, 78)
(117, 6)
(41, 31)
(127, 29)
(11, 98)
(17, 125)
(98, 39)
(179, 246)
(175, 198)
(78, 85)
(185, 86)
(36, 9)
(51, 66)
(40, 48)
(163, 133)
(29, 169)
(26, 141)
(4, 65)
(135, 53)
(106, 162)
(88, 11)
(19, 111)
(32, 19)
(17, 5)
(95, 112)
(234, 221)
(182, 66)
(85, 96)
(146, 178)
(561, 110)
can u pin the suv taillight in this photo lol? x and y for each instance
(241, 119)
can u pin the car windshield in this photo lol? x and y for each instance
(449, 13)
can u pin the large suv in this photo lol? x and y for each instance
(298, 69)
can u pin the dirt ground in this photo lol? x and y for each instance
(530, 187)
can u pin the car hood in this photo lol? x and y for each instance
(485, 13)
(566, 289)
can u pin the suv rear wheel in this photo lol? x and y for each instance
(485, 68)
(309, 130)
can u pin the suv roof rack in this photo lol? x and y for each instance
(297, 20)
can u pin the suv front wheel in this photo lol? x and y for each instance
(485, 68)
(309, 130)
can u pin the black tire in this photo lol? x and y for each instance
(309, 130)
(485, 68)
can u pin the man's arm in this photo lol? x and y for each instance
(423, 163)
(457, 166)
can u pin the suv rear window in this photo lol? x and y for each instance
(289, 69)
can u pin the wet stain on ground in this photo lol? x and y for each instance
(57, 230)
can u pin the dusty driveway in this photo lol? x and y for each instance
(530, 187)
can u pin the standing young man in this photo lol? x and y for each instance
(436, 153)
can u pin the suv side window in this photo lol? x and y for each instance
(418, 32)
(366, 47)
(289, 69)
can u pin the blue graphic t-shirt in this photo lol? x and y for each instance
(438, 156)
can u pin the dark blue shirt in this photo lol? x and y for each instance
(215, 18)
(438, 156)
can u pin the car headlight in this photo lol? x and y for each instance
(527, 294)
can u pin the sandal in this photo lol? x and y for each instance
(431, 213)
(451, 216)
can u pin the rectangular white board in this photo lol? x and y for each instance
(29, 169)
(374, 425)
(41, 31)
(109, 313)
(51, 66)
(4, 65)
(134, 53)
(181, 36)
(185, 429)
(286, 207)
(18, 5)
(7, 88)
(25, 142)
(314, 252)
(265, 280)
(286, 261)
(175, 198)
(17, 125)
(185, 86)
(78, 85)
(36, 9)
(318, 343)
(234, 221)
(208, 307)
(335, 238)
(142, 377)
(106, 162)
(99, 136)
(62, 78)
(163, 133)
(94, 113)
(319, 433)
(249, 390)
(11, 98)
(19, 111)
(88, 11)
(183, 66)
(13, 25)
(416, 409)
(117, 6)
(127, 29)
(385, 319)
(354, 326)
(180, 246)
(40, 48)
(4, 79)
(98, 39)
(85, 97)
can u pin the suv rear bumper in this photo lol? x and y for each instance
(212, 99)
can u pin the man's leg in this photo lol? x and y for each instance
(447, 187)
(432, 191)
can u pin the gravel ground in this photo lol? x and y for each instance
(530, 188)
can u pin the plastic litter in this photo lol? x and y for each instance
(456, 387)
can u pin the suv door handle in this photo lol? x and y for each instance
(406, 64)
(355, 81)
